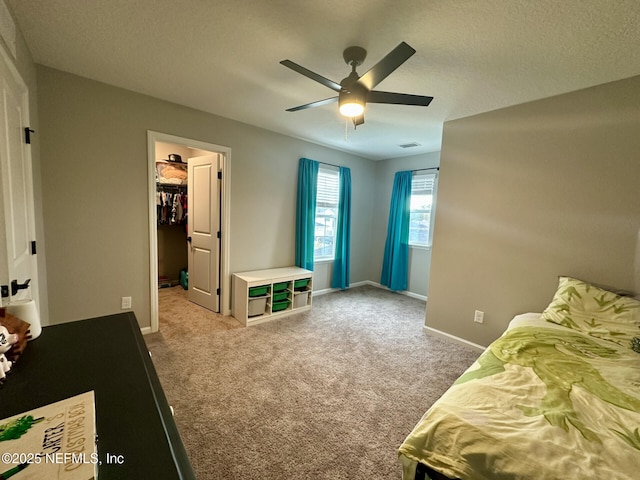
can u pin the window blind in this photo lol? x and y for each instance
(328, 187)
(422, 183)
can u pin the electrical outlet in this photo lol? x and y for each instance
(478, 317)
(126, 303)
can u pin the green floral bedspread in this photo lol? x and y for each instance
(542, 402)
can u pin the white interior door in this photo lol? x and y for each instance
(203, 231)
(17, 227)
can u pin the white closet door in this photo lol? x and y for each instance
(17, 227)
(203, 228)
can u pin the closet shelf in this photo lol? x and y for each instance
(169, 186)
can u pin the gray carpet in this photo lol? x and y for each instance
(327, 394)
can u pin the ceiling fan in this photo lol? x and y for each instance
(355, 91)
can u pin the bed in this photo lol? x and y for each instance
(557, 396)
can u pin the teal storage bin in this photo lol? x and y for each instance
(184, 279)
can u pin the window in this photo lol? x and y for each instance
(422, 190)
(326, 213)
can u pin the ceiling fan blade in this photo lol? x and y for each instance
(312, 75)
(376, 96)
(319, 103)
(388, 64)
(359, 120)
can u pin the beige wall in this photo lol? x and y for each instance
(96, 200)
(531, 192)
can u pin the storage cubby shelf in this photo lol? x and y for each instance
(262, 295)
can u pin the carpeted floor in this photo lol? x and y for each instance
(326, 394)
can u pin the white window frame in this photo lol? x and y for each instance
(327, 197)
(423, 183)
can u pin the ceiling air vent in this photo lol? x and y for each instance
(409, 145)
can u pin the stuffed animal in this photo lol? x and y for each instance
(7, 340)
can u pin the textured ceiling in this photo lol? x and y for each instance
(223, 56)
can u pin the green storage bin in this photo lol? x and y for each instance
(277, 297)
(278, 287)
(258, 291)
(301, 284)
(278, 306)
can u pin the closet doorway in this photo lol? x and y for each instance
(188, 221)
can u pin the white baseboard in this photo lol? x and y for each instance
(373, 284)
(145, 330)
(324, 291)
(453, 337)
(415, 295)
(317, 293)
(403, 292)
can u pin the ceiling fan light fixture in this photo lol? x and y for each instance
(351, 102)
(355, 91)
(352, 109)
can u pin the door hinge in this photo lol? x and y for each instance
(33, 247)
(217, 291)
(15, 286)
(219, 234)
(27, 135)
(220, 175)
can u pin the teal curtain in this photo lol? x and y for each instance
(395, 266)
(343, 234)
(306, 212)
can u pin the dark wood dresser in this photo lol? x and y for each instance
(107, 355)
